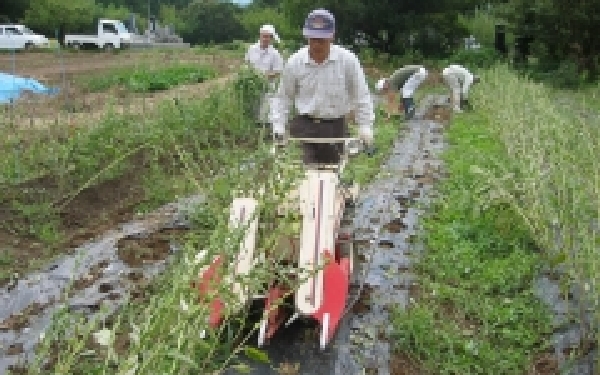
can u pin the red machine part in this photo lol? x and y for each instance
(336, 283)
(275, 315)
(207, 286)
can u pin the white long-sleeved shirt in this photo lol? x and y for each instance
(463, 75)
(264, 60)
(329, 90)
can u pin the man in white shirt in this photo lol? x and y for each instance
(324, 82)
(266, 59)
(459, 79)
(406, 80)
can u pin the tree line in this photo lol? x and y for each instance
(554, 31)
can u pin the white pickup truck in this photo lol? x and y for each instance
(111, 34)
(20, 37)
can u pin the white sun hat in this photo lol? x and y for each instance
(270, 29)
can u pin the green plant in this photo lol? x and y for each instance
(562, 75)
(236, 45)
(250, 86)
(481, 58)
(143, 79)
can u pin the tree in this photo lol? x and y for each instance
(49, 16)
(170, 15)
(13, 11)
(212, 22)
(253, 18)
(393, 26)
(561, 31)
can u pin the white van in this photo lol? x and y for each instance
(20, 37)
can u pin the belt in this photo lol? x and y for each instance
(324, 120)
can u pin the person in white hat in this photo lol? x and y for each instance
(262, 56)
(406, 80)
(459, 79)
(324, 82)
(266, 59)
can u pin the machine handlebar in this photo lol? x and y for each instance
(369, 150)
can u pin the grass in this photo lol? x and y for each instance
(475, 308)
(553, 143)
(143, 79)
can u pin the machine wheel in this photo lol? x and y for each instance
(109, 47)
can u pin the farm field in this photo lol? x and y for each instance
(133, 131)
(87, 91)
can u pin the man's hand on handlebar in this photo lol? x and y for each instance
(366, 142)
(279, 139)
(366, 137)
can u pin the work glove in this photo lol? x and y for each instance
(365, 134)
(366, 137)
(279, 141)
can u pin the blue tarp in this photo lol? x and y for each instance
(11, 87)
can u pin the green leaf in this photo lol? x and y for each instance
(558, 259)
(257, 355)
(184, 358)
(241, 368)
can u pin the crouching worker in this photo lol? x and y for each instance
(324, 82)
(406, 80)
(459, 79)
(267, 60)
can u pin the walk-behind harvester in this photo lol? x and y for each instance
(323, 261)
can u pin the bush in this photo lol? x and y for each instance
(236, 45)
(250, 87)
(564, 75)
(481, 58)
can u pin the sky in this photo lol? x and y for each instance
(241, 2)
